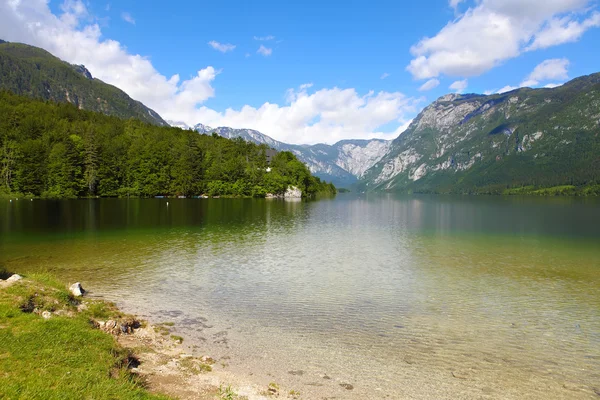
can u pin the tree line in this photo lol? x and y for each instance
(55, 150)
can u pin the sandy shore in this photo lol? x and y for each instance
(167, 367)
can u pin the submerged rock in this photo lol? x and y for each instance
(77, 289)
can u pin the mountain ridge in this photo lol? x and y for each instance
(342, 163)
(35, 72)
(525, 138)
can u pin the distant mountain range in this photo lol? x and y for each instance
(31, 71)
(523, 141)
(343, 163)
(517, 142)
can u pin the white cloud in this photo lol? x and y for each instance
(555, 68)
(264, 38)
(327, 115)
(430, 84)
(494, 31)
(339, 114)
(384, 75)
(552, 85)
(222, 47)
(459, 86)
(127, 18)
(265, 51)
(507, 88)
(563, 30)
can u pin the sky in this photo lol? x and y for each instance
(309, 71)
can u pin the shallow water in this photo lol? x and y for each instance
(399, 297)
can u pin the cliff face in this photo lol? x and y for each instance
(477, 143)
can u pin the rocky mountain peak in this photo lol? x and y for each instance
(83, 71)
(203, 128)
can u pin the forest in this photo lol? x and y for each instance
(55, 150)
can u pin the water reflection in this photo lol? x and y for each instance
(500, 291)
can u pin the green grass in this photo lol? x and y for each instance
(227, 393)
(60, 358)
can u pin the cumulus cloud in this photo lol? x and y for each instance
(384, 75)
(563, 30)
(459, 86)
(506, 88)
(222, 47)
(265, 51)
(325, 115)
(430, 84)
(125, 16)
(494, 31)
(552, 69)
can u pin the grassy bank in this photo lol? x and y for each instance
(64, 356)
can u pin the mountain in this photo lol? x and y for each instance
(342, 163)
(515, 142)
(31, 71)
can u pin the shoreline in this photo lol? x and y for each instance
(158, 359)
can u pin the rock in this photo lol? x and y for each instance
(14, 278)
(77, 289)
(46, 314)
(116, 328)
(347, 386)
(186, 356)
(207, 360)
(111, 326)
(292, 192)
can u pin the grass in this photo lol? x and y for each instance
(227, 393)
(177, 338)
(63, 357)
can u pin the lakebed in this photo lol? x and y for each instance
(357, 297)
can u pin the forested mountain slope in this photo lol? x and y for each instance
(523, 141)
(31, 71)
(56, 150)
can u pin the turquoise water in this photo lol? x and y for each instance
(401, 297)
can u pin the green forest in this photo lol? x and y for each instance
(54, 150)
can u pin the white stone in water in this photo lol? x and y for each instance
(292, 192)
(77, 289)
(14, 278)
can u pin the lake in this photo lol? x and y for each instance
(378, 296)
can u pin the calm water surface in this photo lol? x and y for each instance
(401, 297)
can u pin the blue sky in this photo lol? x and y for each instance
(329, 70)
